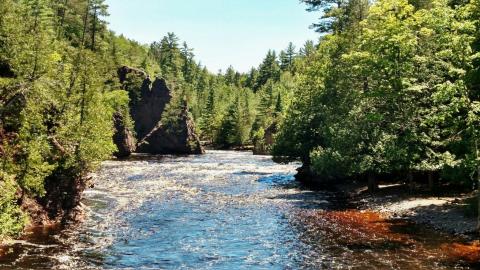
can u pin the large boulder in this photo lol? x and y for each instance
(123, 137)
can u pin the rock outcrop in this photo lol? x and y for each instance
(123, 137)
(165, 140)
(63, 196)
(124, 71)
(149, 100)
(61, 203)
(147, 112)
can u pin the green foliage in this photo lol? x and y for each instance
(12, 219)
(392, 89)
(338, 15)
(227, 133)
(58, 94)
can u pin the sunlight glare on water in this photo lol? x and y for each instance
(222, 210)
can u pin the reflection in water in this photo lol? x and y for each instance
(223, 210)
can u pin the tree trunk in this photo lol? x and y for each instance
(478, 186)
(62, 12)
(411, 184)
(478, 214)
(94, 27)
(372, 183)
(478, 195)
(431, 183)
(85, 21)
(36, 47)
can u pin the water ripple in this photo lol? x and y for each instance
(222, 210)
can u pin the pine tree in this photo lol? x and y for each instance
(98, 9)
(284, 63)
(268, 70)
(338, 15)
(189, 66)
(230, 76)
(308, 49)
(228, 133)
(208, 115)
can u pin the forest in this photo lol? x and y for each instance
(390, 91)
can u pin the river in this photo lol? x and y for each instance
(222, 210)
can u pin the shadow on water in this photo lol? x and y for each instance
(225, 210)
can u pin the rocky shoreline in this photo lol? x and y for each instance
(446, 214)
(446, 209)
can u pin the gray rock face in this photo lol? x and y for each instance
(148, 111)
(123, 137)
(163, 139)
(148, 103)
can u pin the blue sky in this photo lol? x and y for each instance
(222, 32)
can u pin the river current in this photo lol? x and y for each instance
(222, 210)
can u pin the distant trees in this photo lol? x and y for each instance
(287, 58)
(167, 54)
(229, 107)
(268, 70)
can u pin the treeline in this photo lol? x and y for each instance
(391, 92)
(229, 107)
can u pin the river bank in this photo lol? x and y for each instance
(445, 212)
(232, 210)
(447, 208)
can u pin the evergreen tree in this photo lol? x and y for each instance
(98, 9)
(228, 132)
(338, 15)
(268, 70)
(307, 49)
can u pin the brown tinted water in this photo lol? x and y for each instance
(227, 210)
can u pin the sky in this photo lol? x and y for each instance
(221, 32)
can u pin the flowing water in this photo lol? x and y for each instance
(222, 210)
